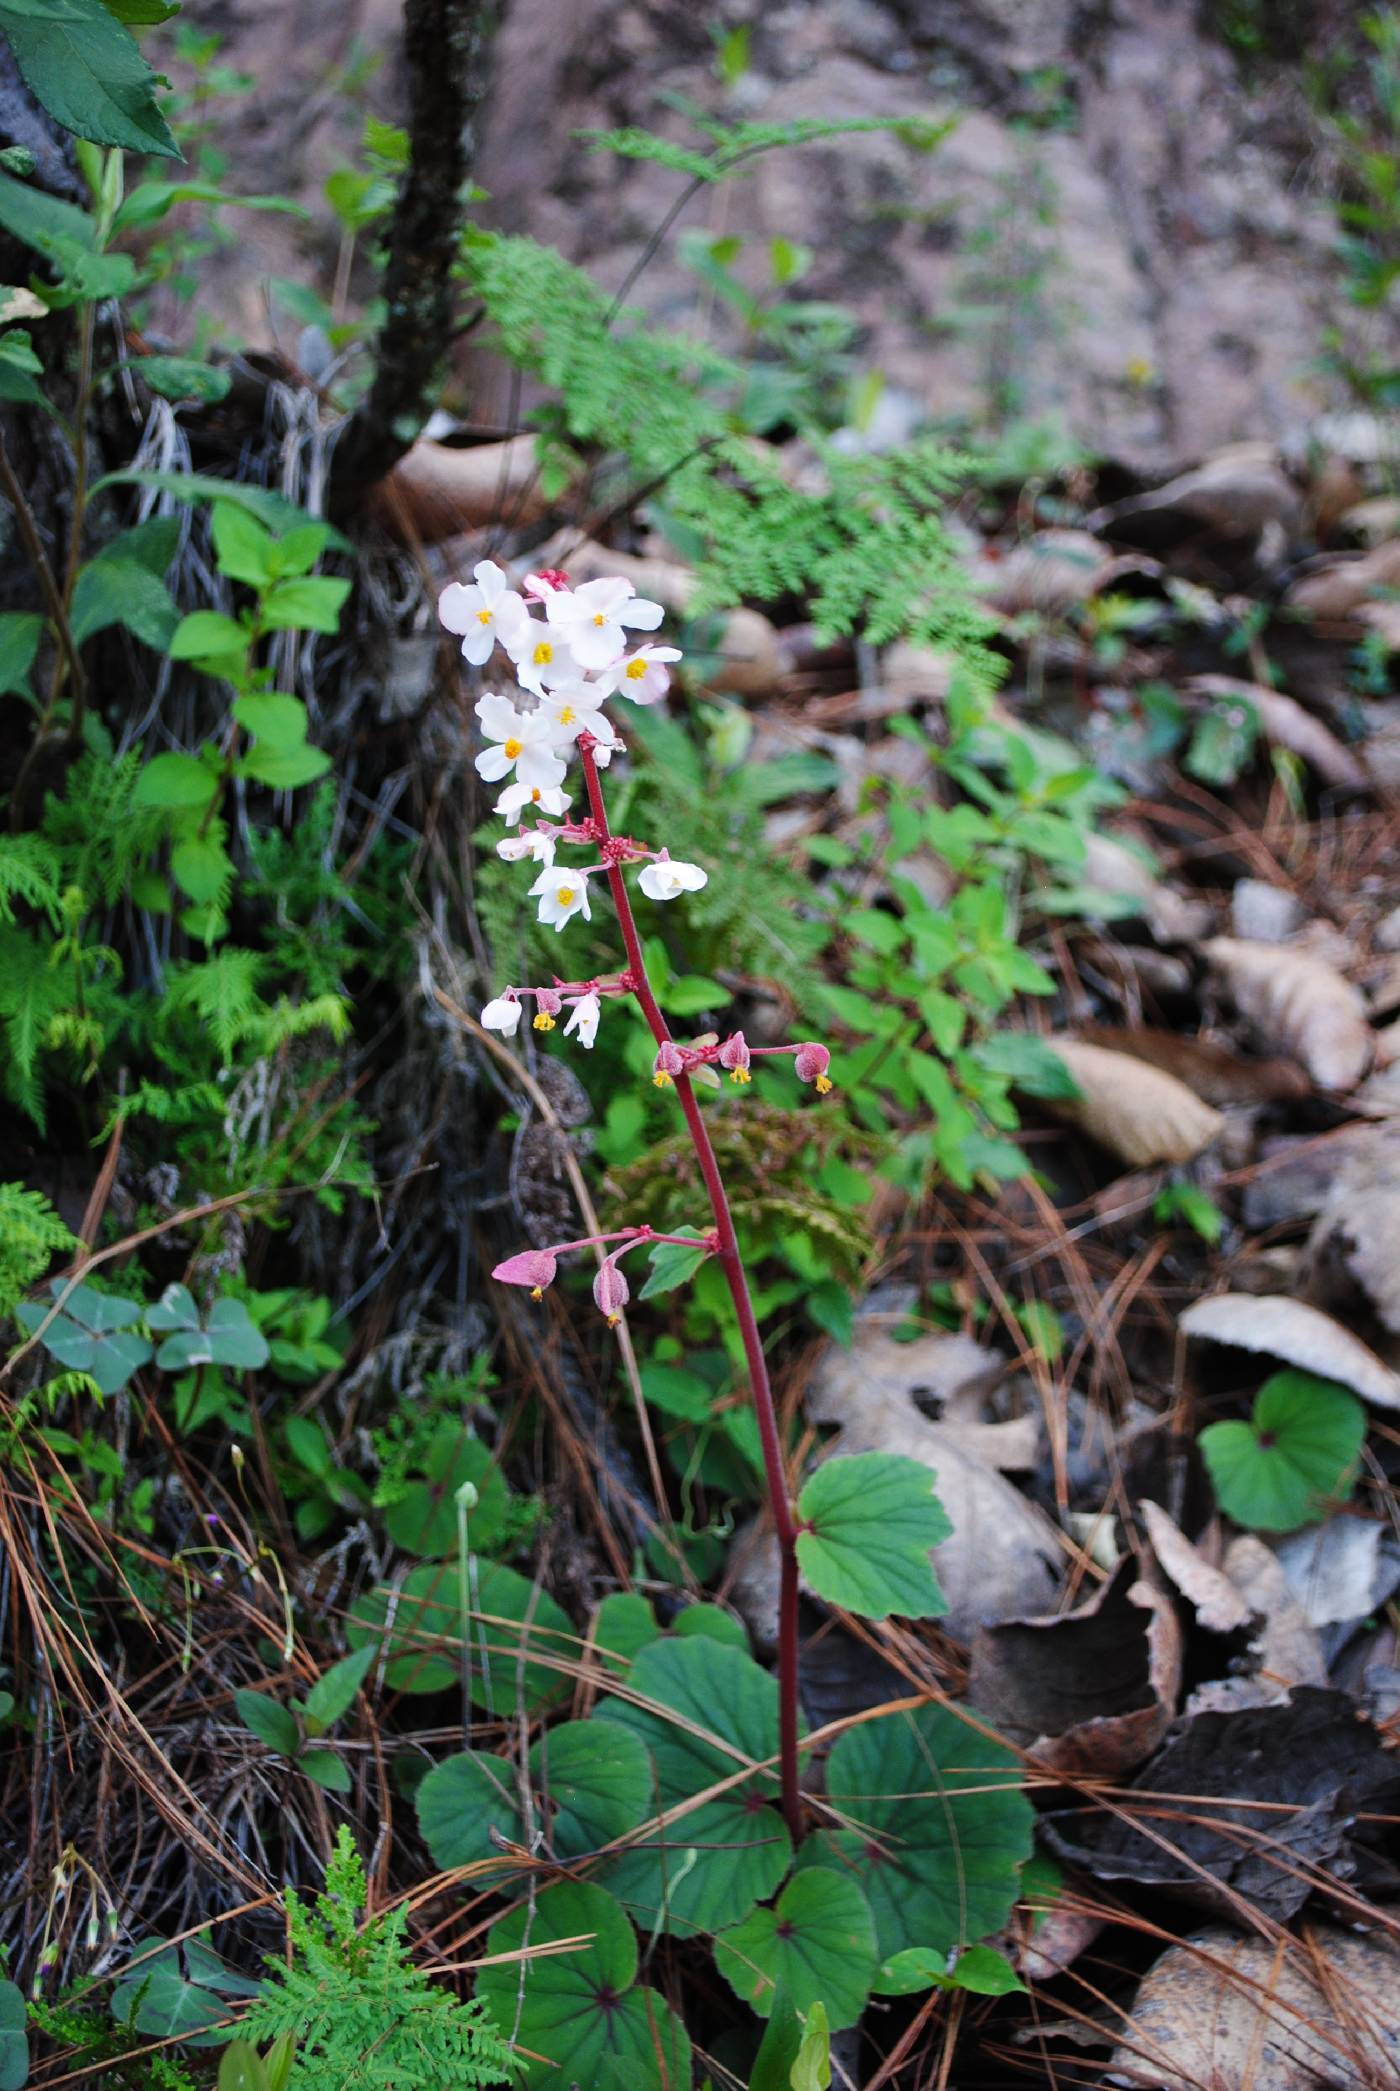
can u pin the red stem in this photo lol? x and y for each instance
(784, 1523)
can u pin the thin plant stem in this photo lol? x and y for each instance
(732, 1263)
(466, 1501)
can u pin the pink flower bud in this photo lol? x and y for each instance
(532, 1267)
(548, 1001)
(734, 1054)
(812, 1061)
(548, 578)
(610, 1292)
(667, 1064)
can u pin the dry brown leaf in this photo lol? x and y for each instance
(1289, 726)
(1221, 2012)
(1239, 492)
(1298, 1334)
(1111, 867)
(1048, 573)
(1216, 1601)
(1336, 592)
(1004, 1554)
(1136, 1111)
(439, 489)
(1374, 519)
(1355, 1246)
(1299, 1004)
(1213, 1072)
(1288, 1649)
(1091, 1691)
(1341, 1571)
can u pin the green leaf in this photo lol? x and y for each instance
(149, 202)
(45, 223)
(985, 1972)
(333, 1693)
(711, 1623)
(423, 1520)
(269, 1721)
(327, 1769)
(868, 1523)
(461, 1802)
(93, 1334)
(241, 2069)
(578, 2011)
(1300, 1449)
(181, 377)
(278, 721)
(712, 1864)
(420, 1624)
(817, 1942)
(193, 487)
(14, 2042)
(20, 633)
(175, 780)
(938, 1828)
(312, 604)
(284, 769)
(1030, 1062)
(87, 72)
(908, 1973)
(173, 2005)
(20, 370)
(207, 635)
(242, 546)
(672, 1265)
(811, 2069)
(202, 868)
(114, 590)
(623, 1625)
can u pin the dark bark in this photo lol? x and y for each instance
(446, 46)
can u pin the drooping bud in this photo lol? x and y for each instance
(667, 1065)
(610, 1292)
(812, 1061)
(734, 1055)
(532, 1267)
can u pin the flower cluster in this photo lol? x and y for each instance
(537, 1268)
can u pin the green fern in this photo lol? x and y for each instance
(733, 145)
(31, 1234)
(364, 2017)
(30, 873)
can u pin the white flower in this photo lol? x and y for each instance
(572, 709)
(665, 879)
(519, 799)
(543, 658)
(643, 675)
(583, 1018)
(524, 744)
(537, 844)
(590, 619)
(561, 895)
(483, 613)
(502, 1015)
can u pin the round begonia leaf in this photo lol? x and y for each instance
(817, 1943)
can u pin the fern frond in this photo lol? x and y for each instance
(30, 872)
(222, 992)
(31, 1235)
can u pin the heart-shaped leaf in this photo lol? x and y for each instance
(577, 2011)
(938, 1828)
(420, 1624)
(593, 1781)
(711, 1710)
(817, 1942)
(93, 1334)
(1300, 1449)
(868, 1524)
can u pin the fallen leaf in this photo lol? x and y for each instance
(1239, 492)
(1256, 1805)
(1049, 572)
(1111, 867)
(1299, 1004)
(1333, 593)
(1135, 1110)
(1221, 2013)
(1092, 1691)
(1298, 1334)
(1218, 1603)
(438, 489)
(1287, 1648)
(1216, 1074)
(1294, 1173)
(1352, 1248)
(1004, 1554)
(1343, 1570)
(1288, 725)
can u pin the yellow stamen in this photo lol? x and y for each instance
(823, 1085)
(544, 1021)
(661, 1080)
(636, 670)
(740, 1074)
(565, 898)
(537, 1292)
(513, 748)
(483, 617)
(543, 654)
(567, 716)
(599, 618)
(613, 1320)
(535, 796)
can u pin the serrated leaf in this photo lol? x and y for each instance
(576, 2016)
(182, 377)
(284, 769)
(87, 72)
(269, 1721)
(1032, 1063)
(115, 590)
(207, 635)
(45, 223)
(672, 1265)
(710, 1710)
(938, 1828)
(279, 721)
(175, 780)
(1299, 1450)
(817, 1942)
(202, 868)
(192, 488)
(312, 604)
(868, 1523)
